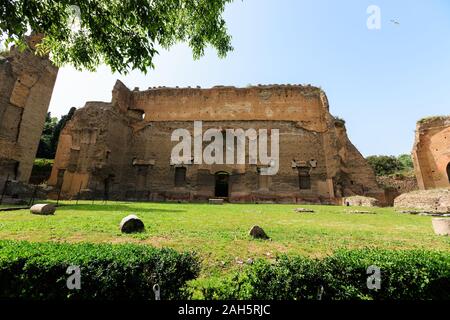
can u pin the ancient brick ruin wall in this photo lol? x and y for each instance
(394, 186)
(401, 184)
(125, 146)
(26, 86)
(267, 103)
(85, 145)
(431, 153)
(246, 184)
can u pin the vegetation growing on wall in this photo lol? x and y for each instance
(432, 118)
(339, 120)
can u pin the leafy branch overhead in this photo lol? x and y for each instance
(122, 34)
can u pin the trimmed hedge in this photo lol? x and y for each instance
(128, 272)
(405, 275)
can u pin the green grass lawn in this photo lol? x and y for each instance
(220, 233)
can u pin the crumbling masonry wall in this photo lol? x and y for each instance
(122, 149)
(431, 153)
(26, 86)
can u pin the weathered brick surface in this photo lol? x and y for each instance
(431, 153)
(402, 184)
(437, 200)
(123, 148)
(26, 86)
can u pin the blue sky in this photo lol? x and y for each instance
(380, 81)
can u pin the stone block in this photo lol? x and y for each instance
(28, 79)
(43, 209)
(441, 226)
(20, 94)
(131, 224)
(361, 201)
(257, 232)
(215, 201)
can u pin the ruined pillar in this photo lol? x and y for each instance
(26, 86)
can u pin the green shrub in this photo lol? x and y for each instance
(230, 288)
(384, 165)
(406, 161)
(391, 165)
(405, 275)
(339, 120)
(431, 119)
(38, 271)
(42, 168)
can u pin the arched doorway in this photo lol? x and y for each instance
(222, 184)
(448, 172)
(304, 179)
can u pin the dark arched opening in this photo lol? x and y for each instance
(448, 172)
(222, 184)
(304, 179)
(107, 184)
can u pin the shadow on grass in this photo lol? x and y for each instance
(114, 207)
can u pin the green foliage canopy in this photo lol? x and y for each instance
(121, 34)
(406, 161)
(50, 135)
(387, 165)
(45, 147)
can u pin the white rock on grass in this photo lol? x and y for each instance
(43, 209)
